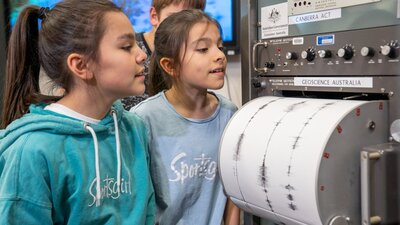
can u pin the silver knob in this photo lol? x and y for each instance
(386, 50)
(291, 56)
(346, 52)
(325, 53)
(308, 54)
(367, 51)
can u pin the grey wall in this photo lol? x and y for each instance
(2, 51)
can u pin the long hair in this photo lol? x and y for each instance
(72, 26)
(170, 37)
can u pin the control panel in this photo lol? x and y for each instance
(368, 52)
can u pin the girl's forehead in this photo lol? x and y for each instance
(203, 29)
(116, 23)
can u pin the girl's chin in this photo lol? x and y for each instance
(138, 91)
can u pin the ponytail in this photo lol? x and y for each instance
(22, 67)
(72, 26)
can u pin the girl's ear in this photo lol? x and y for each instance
(154, 20)
(168, 65)
(79, 66)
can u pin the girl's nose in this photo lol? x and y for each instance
(141, 57)
(221, 58)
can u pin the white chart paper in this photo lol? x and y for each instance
(271, 151)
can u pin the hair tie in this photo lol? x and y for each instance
(43, 12)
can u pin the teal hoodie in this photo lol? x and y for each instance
(48, 170)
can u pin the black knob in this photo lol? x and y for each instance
(308, 54)
(257, 84)
(367, 51)
(291, 56)
(346, 52)
(270, 65)
(325, 54)
(389, 51)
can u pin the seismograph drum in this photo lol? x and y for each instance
(296, 160)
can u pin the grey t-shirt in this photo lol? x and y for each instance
(184, 161)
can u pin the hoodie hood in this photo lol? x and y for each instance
(40, 119)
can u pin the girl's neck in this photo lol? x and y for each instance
(194, 104)
(85, 105)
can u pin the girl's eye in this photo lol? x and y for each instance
(222, 48)
(202, 50)
(127, 48)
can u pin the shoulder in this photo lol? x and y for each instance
(155, 112)
(134, 125)
(225, 103)
(150, 106)
(24, 172)
(31, 140)
(133, 118)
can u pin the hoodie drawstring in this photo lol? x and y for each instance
(96, 155)
(114, 114)
(96, 152)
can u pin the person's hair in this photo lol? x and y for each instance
(191, 4)
(170, 37)
(72, 26)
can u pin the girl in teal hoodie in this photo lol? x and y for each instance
(79, 158)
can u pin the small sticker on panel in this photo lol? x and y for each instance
(325, 40)
(298, 41)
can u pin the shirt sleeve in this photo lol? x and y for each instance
(15, 211)
(25, 195)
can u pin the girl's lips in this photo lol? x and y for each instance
(140, 74)
(218, 72)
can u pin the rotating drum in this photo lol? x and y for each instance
(297, 160)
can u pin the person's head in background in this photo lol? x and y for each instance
(161, 9)
(88, 48)
(188, 54)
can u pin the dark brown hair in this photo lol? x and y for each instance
(72, 26)
(170, 37)
(191, 4)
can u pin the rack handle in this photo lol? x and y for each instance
(366, 218)
(255, 46)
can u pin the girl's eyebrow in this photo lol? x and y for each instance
(205, 39)
(128, 36)
(201, 39)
